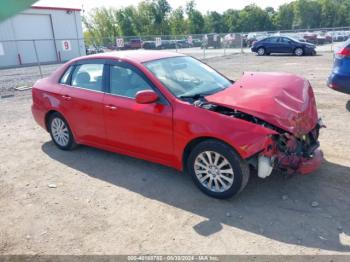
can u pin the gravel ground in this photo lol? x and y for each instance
(23, 76)
(89, 201)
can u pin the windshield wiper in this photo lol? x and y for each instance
(194, 96)
(199, 95)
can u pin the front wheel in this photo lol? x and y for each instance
(261, 51)
(217, 170)
(298, 51)
(60, 132)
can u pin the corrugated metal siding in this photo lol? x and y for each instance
(32, 26)
(48, 28)
(6, 30)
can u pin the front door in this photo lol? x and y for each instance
(142, 129)
(285, 45)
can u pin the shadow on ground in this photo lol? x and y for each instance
(260, 208)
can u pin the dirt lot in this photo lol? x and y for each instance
(106, 203)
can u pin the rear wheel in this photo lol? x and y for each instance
(298, 51)
(60, 132)
(217, 170)
(261, 51)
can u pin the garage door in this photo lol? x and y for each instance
(32, 26)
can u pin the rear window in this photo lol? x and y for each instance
(88, 76)
(65, 77)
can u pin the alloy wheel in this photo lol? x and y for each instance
(261, 51)
(214, 171)
(299, 52)
(60, 131)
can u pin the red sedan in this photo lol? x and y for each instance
(174, 110)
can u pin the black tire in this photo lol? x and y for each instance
(261, 51)
(348, 105)
(240, 168)
(298, 51)
(71, 144)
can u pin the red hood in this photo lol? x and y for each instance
(284, 100)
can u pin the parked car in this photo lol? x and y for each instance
(94, 50)
(339, 79)
(168, 44)
(149, 45)
(322, 38)
(133, 44)
(211, 40)
(232, 40)
(196, 42)
(183, 43)
(339, 36)
(172, 109)
(283, 44)
(255, 36)
(310, 37)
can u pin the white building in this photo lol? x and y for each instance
(50, 34)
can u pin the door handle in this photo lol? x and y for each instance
(67, 98)
(111, 107)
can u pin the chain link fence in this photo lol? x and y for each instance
(22, 62)
(215, 44)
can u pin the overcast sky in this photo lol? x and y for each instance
(202, 5)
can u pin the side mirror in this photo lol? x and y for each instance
(146, 97)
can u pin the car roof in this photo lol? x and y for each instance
(139, 56)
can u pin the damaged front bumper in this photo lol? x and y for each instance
(309, 165)
(291, 154)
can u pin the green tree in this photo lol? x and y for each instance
(270, 11)
(124, 18)
(230, 20)
(195, 23)
(177, 21)
(284, 17)
(307, 14)
(253, 18)
(101, 25)
(155, 17)
(161, 11)
(214, 22)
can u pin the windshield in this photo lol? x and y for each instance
(293, 39)
(185, 76)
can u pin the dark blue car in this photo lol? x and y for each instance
(340, 77)
(283, 45)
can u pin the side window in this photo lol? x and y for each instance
(272, 40)
(126, 82)
(88, 76)
(284, 40)
(65, 77)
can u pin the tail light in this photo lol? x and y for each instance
(344, 52)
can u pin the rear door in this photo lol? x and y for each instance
(82, 99)
(145, 129)
(271, 45)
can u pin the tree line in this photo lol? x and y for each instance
(157, 17)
